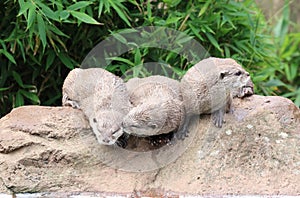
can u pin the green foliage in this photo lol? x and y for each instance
(280, 73)
(40, 41)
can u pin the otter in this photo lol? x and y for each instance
(157, 106)
(102, 97)
(209, 87)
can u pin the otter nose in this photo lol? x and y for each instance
(105, 140)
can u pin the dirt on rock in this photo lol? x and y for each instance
(53, 149)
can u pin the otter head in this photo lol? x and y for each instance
(106, 126)
(145, 119)
(235, 78)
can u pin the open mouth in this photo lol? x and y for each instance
(246, 91)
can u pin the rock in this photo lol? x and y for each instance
(53, 149)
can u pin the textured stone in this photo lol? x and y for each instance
(257, 151)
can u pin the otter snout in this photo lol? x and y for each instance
(248, 89)
(106, 141)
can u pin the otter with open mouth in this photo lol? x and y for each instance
(209, 87)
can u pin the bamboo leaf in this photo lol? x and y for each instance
(19, 99)
(120, 12)
(100, 8)
(122, 60)
(120, 38)
(31, 96)
(79, 5)
(213, 41)
(57, 31)
(204, 8)
(42, 30)
(18, 79)
(50, 59)
(47, 11)
(137, 57)
(66, 60)
(8, 56)
(23, 7)
(84, 18)
(4, 89)
(31, 17)
(63, 15)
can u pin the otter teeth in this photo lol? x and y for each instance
(247, 91)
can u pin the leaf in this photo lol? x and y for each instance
(52, 100)
(120, 12)
(172, 20)
(100, 8)
(79, 5)
(42, 30)
(18, 79)
(122, 60)
(227, 52)
(213, 41)
(196, 32)
(31, 96)
(282, 27)
(66, 60)
(19, 99)
(184, 39)
(4, 88)
(47, 11)
(120, 38)
(23, 7)
(178, 71)
(8, 56)
(149, 11)
(50, 59)
(204, 8)
(31, 16)
(172, 3)
(137, 57)
(84, 18)
(57, 31)
(21, 47)
(63, 15)
(274, 83)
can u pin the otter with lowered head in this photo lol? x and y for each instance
(103, 98)
(158, 107)
(209, 86)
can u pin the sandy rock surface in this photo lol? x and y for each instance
(52, 149)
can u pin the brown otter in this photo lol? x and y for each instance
(209, 86)
(103, 98)
(158, 107)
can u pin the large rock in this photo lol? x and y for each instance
(52, 149)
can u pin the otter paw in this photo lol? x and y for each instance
(182, 133)
(218, 118)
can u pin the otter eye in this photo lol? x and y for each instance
(94, 120)
(238, 73)
(152, 126)
(223, 74)
(115, 132)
